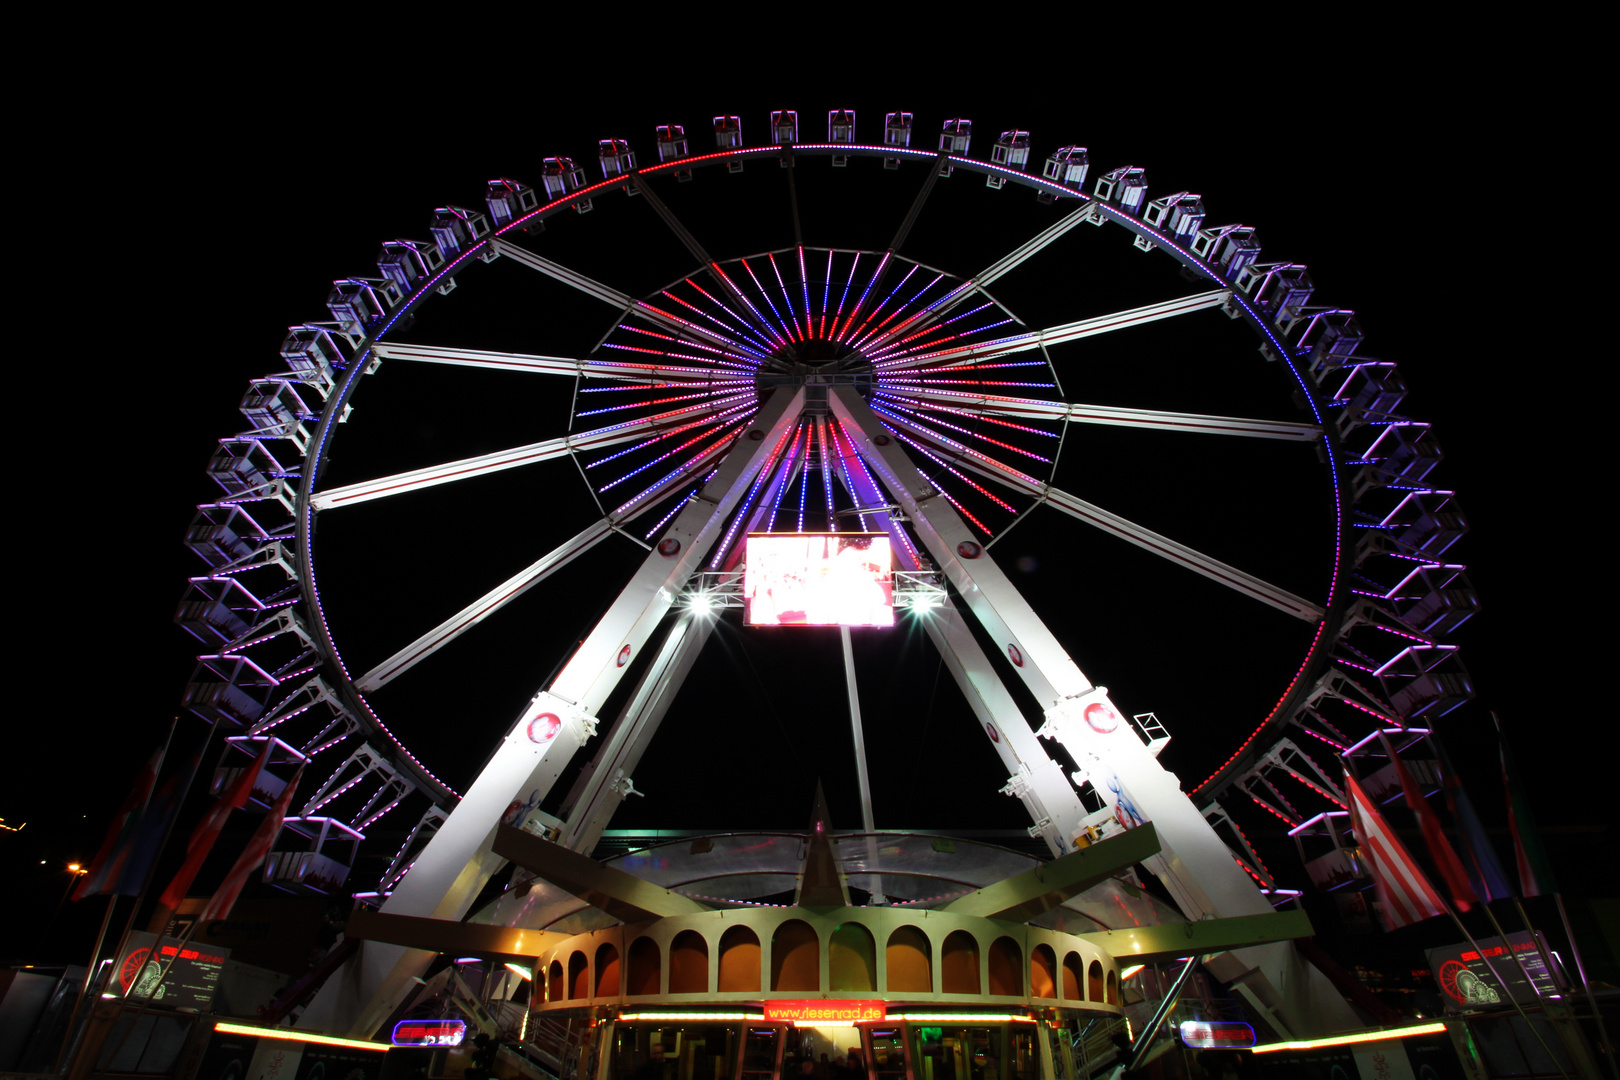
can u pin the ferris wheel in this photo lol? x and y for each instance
(796, 380)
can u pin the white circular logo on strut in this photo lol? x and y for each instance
(544, 727)
(1101, 718)
(624, 656)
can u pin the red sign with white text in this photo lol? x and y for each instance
(824, 1012)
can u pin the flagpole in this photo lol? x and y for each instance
(1503, 984)
(1501, 933)
(146, 1004)
(1580, 969)
(168, 830)
(82, 1005)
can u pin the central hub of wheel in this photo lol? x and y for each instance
(816, 365)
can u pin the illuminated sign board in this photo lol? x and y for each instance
(1467, 980)
(824, 1012)
(818, 579)
(1216, 1034)
(429, 1033)
(171, 978)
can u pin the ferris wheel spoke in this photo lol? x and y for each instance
(958, 355)
(738, 306)
(593, 368)
(537, 571)
(988, 276)
(533, 453)
(1149, 419)
(485, 606)
(608, 295)
(1115, 525)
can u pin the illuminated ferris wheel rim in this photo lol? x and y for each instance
(365, 353)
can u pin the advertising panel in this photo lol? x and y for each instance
(1466, 981)
(818, 579)
(176, 977)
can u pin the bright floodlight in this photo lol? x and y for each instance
(923, 602)
(702, 603)
(819, 579)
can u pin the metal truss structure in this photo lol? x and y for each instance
(844, 390)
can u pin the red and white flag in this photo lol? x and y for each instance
(1440, 849)
(107, 868)
(252, 856)
(212, 824)
(1405, 894)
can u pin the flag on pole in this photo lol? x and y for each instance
(1405, 894)
(208, 829)
(1535, 870)
(146, 842)
(1440, 849)
(107, 867)
(252, 857)
(1484, 870)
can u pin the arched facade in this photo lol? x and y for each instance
(760, 953)
(689, 963)
(739, 961)
(909, 957)
(852, 959)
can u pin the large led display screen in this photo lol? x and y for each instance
(818, 579)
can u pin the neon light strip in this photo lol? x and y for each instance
(895, 406)
(964, 1018)
(855, 339)
(902, 308)
(826, 291)
(289, 1035)
(692, 1016)
(1346, 1040)
(804, 283)
(748, 501)
(768, 301)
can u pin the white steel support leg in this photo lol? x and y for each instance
(855, 725)
(457, 862)
(607, 782)
(1038, 781)
(594, 670)
(531, 575)
(1041, 660)
(452, 868)
(867, 821)
(1193, 863)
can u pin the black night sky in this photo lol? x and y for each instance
(227, 208)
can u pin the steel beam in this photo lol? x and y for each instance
(606, 782)
(1039, 658)
(594, 368)
(1035, 779)
(623, 302)
(595, 668)
(606, 888)
(1025, 896)
(1057, 335)
(531, 454)
(452, 938)
(1155, 944)
(1114, 524)
(531, 575)
(485, 606)
(1147, 419)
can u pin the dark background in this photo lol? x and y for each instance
(207, 206)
